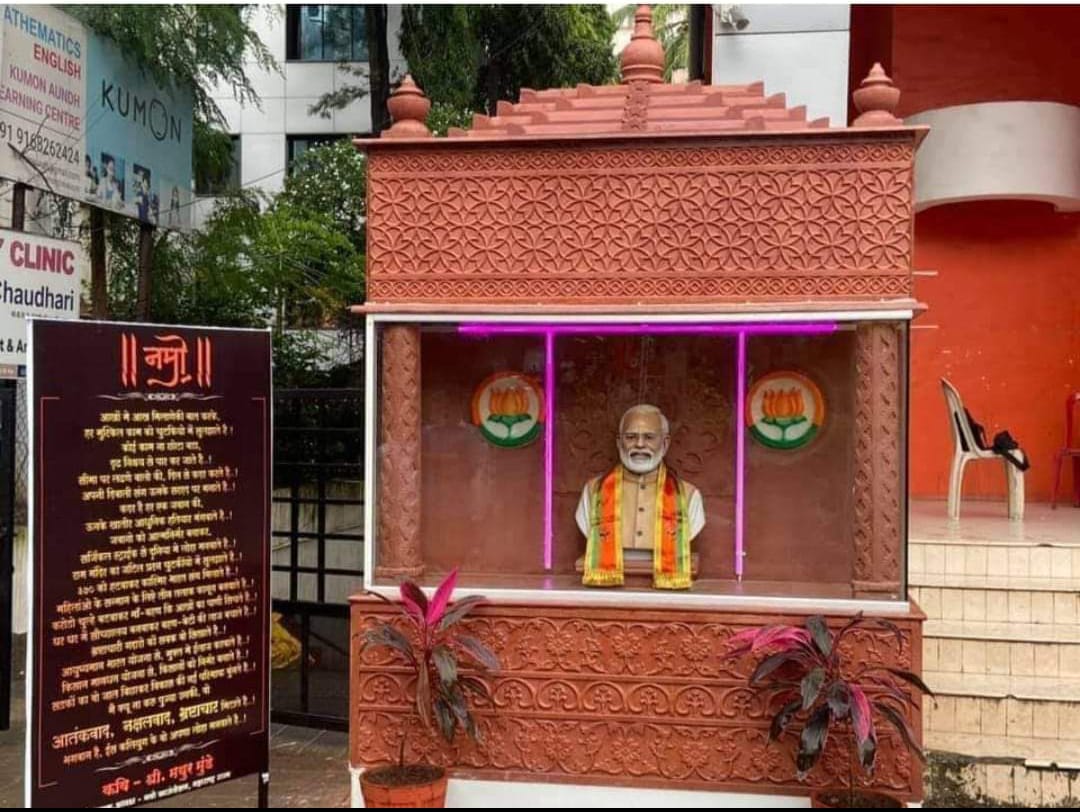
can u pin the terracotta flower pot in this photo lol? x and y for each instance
(859, 799)
(413, 786)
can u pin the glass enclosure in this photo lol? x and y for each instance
(517, 418)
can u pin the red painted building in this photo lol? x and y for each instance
(1000, 84)
(997, 230)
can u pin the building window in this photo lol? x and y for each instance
(297, 145)
(208, 182)
(326, 34)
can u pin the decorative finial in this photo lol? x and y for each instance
(876, 98)
(408, 108)
(643, 59)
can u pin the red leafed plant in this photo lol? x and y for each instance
(822, 690)
(433, 649)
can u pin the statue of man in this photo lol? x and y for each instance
(641, 507)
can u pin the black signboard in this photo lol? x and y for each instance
(148, 661)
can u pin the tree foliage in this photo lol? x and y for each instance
(198, 47)
(331, 178)
(477, 55)
(292, 261)
(470, 57)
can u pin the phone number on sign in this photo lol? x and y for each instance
(39, 144)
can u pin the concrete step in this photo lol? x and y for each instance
(1027, 750)
(1018, 558)
(973, 783)
(1062, 633)
(1021, 600)
(1001, 648)
(1033, 718)
(1033, 729)
(1026, 687)
(1021, 649)
(1019, 583)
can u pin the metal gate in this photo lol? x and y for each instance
(317, 551)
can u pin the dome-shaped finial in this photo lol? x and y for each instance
(408, 108)
(876, 98)
(643, 58)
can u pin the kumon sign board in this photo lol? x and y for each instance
(81, 120)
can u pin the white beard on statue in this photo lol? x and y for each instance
(640, 460)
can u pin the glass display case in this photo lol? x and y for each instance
(517, 457)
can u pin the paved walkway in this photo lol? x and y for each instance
(308, 768)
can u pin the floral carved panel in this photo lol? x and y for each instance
(650, 221)
(399, 454)
(879, 399)
(621, 696)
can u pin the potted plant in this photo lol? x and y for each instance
(824, 692)
(429, 639)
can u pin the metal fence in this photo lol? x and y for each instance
(317, 550)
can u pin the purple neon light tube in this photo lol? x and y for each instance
(647, 328)
(549, 444)
(740, 452)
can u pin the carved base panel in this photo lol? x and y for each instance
(629, 697)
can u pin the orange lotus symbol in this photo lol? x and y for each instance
(783, 407)
(509, 402)
(508, 406)
(784, 410)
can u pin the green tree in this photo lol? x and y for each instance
(310, 267)
(331, 178)
(288, 269)
(470, 57)
(294, 261)
(539, 46)
(443, 116)
(200, 278)
(671, 25)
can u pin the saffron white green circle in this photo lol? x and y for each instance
(784, 410)
(508, 408)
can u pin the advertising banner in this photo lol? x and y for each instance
(81, 120)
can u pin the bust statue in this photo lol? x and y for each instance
(640, 509)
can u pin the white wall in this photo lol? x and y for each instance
(285, 97)
(799, 50)
(1017, 150)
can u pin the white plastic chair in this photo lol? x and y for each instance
(966, 449)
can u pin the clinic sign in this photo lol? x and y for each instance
(82, 120)
(39, 277)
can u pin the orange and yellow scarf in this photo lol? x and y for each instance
(671, 542)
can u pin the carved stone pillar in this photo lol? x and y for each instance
(879, 404)
(398, 455)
